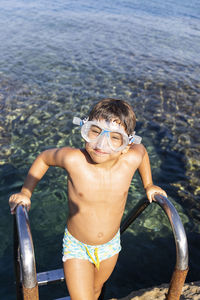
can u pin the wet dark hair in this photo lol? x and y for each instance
(113, 109)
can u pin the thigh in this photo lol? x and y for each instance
(79, 276)
(105, 270)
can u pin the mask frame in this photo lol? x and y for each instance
(107, 128)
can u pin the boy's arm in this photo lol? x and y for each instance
(52, 157)
(145, 173)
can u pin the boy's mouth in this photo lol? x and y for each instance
(100, 152)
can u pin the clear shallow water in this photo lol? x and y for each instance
(56, 61)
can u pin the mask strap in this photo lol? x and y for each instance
(136, 139)
(78, 121)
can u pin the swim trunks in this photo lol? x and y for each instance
(73, 248)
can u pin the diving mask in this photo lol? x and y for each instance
(108, 136)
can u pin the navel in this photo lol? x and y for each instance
(100, 235)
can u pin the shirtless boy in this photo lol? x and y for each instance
(99, 177)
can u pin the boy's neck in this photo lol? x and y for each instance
(108, 165)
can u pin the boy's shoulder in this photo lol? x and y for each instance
(135, 153)
(137, 149)
(70, 155)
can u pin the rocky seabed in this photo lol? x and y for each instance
(191, 291)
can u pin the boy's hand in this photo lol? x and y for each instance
(152, 190)
(17, 199)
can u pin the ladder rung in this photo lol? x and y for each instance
(52, 276)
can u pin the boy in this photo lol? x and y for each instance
(99, 177)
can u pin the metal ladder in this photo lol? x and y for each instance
(28, 281)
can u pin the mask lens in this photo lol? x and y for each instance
(104, 136)
(93, 132)
(116, 139)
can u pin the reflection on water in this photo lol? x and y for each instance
(62, 60)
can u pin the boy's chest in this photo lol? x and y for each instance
(100, 183)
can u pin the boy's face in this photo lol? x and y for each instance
(105, 141)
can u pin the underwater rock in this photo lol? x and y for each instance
(191, 291)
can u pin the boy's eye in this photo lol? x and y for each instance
(116, 137)
(94, 131)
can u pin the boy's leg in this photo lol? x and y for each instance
(105, 270)
(79, 276)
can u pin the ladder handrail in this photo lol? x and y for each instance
(27, 256)
(175, 222)
(178, 231)
(134, 213)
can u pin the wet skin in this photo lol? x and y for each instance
(98, 184)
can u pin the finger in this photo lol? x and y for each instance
(27, 205)
(150, 199)
(12, 208)
(153, 196)
(13, 205)
(11, 199)
(149, 196)
(164, 194)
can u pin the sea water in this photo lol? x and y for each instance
(57, 59)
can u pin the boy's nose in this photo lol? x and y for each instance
(102, 142)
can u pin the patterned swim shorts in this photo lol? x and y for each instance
(73, 248)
